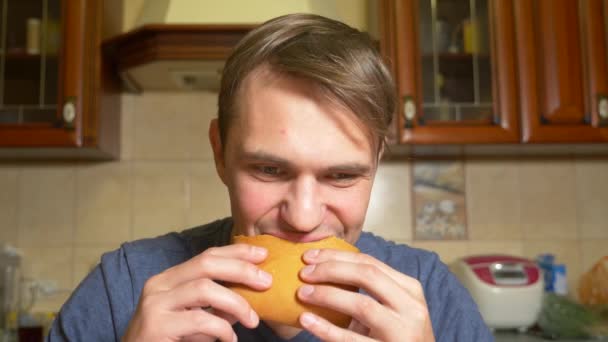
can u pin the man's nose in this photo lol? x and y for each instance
(303, 208)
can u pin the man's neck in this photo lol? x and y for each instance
(283, 331)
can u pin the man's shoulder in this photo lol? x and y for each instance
(410, 260)
(147, 257)
(187, 242)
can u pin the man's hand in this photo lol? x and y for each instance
(186, 303)
(396, 310)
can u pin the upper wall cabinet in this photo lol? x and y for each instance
(57, 98)
(455, 70)
(563, 78)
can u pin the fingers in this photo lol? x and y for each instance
(411, 285)
(362, 308)
(167, 309)
(326, 331)
(233, 263)
(205, 292)
(365, 276)
(198, 324)
(396, 309)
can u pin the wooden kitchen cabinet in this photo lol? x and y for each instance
(455, 69)
(563, 79)
(57, 96)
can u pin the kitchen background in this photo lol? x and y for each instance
(64, 215)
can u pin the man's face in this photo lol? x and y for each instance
(296, 166)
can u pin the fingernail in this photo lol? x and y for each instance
(307, 319)
(308, 270)
(265, 278)
(259, 251)
(311, 253)
(306, 290)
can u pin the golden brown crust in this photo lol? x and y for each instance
(284, 262)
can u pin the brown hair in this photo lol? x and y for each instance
(340, 59)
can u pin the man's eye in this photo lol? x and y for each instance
(343, 177)
(269, 170)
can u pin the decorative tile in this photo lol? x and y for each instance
(439, 200)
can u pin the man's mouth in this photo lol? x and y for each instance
(299, 237)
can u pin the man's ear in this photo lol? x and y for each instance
(216, 146)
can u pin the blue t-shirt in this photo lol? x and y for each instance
(102, 305)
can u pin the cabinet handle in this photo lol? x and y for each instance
(409, 111)
(69, 113)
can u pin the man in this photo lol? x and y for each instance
(304, 107)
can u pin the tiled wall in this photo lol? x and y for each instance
(64, 215)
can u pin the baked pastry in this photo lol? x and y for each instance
(280, 303)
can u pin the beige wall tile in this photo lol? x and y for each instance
(389, 211)
(592, 198)
(103, 210)
(513, 247)
(202, 111)
(46, 206)
(52, 266)
(493, 206)
(9, 194)
(592, 252)
(210, 200)
(86, 258)
(449, 251)
(127, 126)
(548, 200)
(161, 197)
(172, 126)
(566, 252)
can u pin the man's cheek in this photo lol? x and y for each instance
(256, 199)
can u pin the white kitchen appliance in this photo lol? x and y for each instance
(508, 290)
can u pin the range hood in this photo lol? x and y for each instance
(182, 44)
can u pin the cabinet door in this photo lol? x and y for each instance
(454, 63)
(41, 73)
(564, 78)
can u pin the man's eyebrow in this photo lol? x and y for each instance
(354, 168)
(258, 156)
